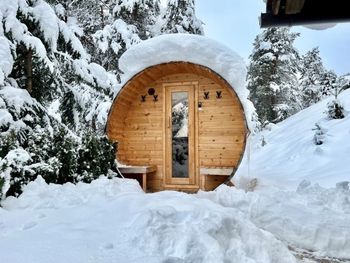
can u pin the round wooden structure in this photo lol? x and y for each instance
(144, 116)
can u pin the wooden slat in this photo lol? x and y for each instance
(225, 171)
(137, 169)
(139, 126)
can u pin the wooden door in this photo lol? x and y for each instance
(180, 142)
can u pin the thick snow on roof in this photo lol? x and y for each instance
(190, 48)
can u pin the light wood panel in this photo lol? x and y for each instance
(139, 126)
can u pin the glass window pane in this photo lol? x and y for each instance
(179, 134)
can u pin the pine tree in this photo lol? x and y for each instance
(328, 83)
(312, 74)
(319, 136)
(142, 14)
(66, 152)
(45, 61)
(180, 17)
(96, 156)
(112, 41)
(272, 75)
(335, 109)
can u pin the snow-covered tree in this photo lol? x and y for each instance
(319, 136)
(96, 156)
(129, 22)
(112, 41)
(272, 75)
(335, 109)
(142, 14)
(344, 81)
(43, 60)
(312, 74)
(328, 83)
(180, 17)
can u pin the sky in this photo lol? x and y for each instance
(235, 23)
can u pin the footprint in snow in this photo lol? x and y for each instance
(108, 246)
(41, 216)
(29, 225)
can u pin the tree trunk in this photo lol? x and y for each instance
(28, 68)
(102, 17)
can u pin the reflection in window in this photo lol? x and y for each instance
(179, 134)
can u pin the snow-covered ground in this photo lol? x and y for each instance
(114, 221)
(290, 154)
(299, 211)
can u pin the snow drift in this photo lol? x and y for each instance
(114, 221)
(291, 156)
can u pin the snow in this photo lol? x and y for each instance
(45, 15)
(18, 30)
(111, 35)
(114, 221)
(5, 117)
(5, 58)
(15, 97)
(311, 217)
(322, 26)
(14, 158)
(301, 204)
(190, 48)
(291, 156)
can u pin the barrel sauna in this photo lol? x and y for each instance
(183, 119)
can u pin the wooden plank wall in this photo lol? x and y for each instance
(138, 126)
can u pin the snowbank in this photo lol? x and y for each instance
(291, 156)
(313, 218)
(190, 48)
(114, 221)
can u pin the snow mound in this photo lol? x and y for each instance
(195, 230)
(194, 49)
(39, 194)
(312, 218)
(114, 221)
(290, 154)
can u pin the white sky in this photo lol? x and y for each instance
(236, 23)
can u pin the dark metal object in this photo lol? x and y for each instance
(206, 95)
(143, 98)
(151, 91)
(218, 94)
(155, 97)
(303, 12)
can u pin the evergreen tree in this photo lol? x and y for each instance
(319, 136)
(65, 151)
(335, 109)
(45, 61)
(329, 83)
(344, 82)
(272, 75)
(142, 14)
(112, 41)
(312, 74)
(180, 17)
(96, 156)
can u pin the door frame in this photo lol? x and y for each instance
(193, 180)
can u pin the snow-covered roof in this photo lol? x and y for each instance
(194, 49)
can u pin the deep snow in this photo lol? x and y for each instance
(114, 221)
(290, 154)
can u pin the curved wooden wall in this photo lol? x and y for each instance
(139, 126)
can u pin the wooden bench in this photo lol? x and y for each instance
(224, 171)
(138, 170)
(216, 174)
